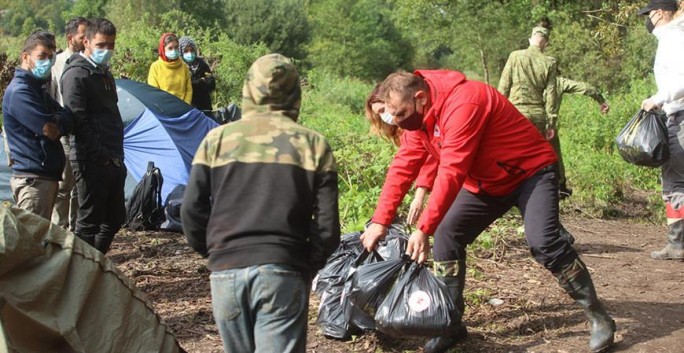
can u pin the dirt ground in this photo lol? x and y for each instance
(646, 297)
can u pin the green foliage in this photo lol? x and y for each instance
(356, 38)
(20, 18)
(86, 8)
(333, 107)
(601, 179)
(281, 25)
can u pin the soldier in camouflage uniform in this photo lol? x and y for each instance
(529, 81)
(261, 203)
(563, 86)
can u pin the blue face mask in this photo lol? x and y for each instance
(171, 54)
(387, 118)
(101, 56)
(42, 68)
(189, 57)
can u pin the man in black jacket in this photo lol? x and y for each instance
(89, 90)
(203, 81)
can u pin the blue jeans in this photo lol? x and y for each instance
(261, 309)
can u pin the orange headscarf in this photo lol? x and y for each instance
(162, 51)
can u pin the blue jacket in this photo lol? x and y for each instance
(26, 108)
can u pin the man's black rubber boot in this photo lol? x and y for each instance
(452, 274)
(576, 281)
(565, 234)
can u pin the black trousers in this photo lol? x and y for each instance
(537, 199)
(102, 208)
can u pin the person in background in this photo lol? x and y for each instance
(33, 123)
(89, 90)
(490, 159)
(669, 76)
(66, 205)
(382, 123)
(203, 82)
(170, 73)
(264, 252)
(529, 81)
(568, 86)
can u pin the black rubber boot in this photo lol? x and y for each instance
(452, 274)
(576, 280)
(565, 234)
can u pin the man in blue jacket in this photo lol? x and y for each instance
(33, 124)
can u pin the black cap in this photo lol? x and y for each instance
(667, 5)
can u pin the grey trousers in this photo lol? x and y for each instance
(672, 177)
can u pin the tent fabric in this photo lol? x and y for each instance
(160, 128)
(58, 294)
(135, 96)
(147, 140)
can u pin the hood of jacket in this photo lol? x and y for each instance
(272, 85)
(80, 61)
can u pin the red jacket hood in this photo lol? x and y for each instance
(441, 83)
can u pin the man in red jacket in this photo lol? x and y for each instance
(491, 158)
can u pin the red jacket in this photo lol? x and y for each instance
(484, 145)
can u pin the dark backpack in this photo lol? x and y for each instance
(144, 209)
(172, 208)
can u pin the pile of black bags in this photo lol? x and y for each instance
(383, 290)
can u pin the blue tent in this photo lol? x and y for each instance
(161, 128)
(158, 127)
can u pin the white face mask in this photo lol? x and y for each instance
(387, 118)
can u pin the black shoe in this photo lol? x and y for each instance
(564, 192)
(443, 343)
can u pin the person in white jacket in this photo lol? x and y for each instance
(668, 69)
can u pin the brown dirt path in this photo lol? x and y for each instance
(645, 296)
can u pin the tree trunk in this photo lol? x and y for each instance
(483, 59)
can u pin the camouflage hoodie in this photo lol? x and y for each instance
(264, 189)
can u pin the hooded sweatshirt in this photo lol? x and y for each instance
(171, 76)
(264, 189)
(485, 145)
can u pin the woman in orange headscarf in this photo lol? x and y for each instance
(169, 72)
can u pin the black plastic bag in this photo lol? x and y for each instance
(352, 313)
(338, 264)
(372, 282)
(336, 316)
(331, 318)
(644, 140)
(418, 305)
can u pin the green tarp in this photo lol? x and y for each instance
(58, 294)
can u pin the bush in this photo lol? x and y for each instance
(601, 179)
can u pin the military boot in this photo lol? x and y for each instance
(674, 250)
(452, 274)
(576, 281)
